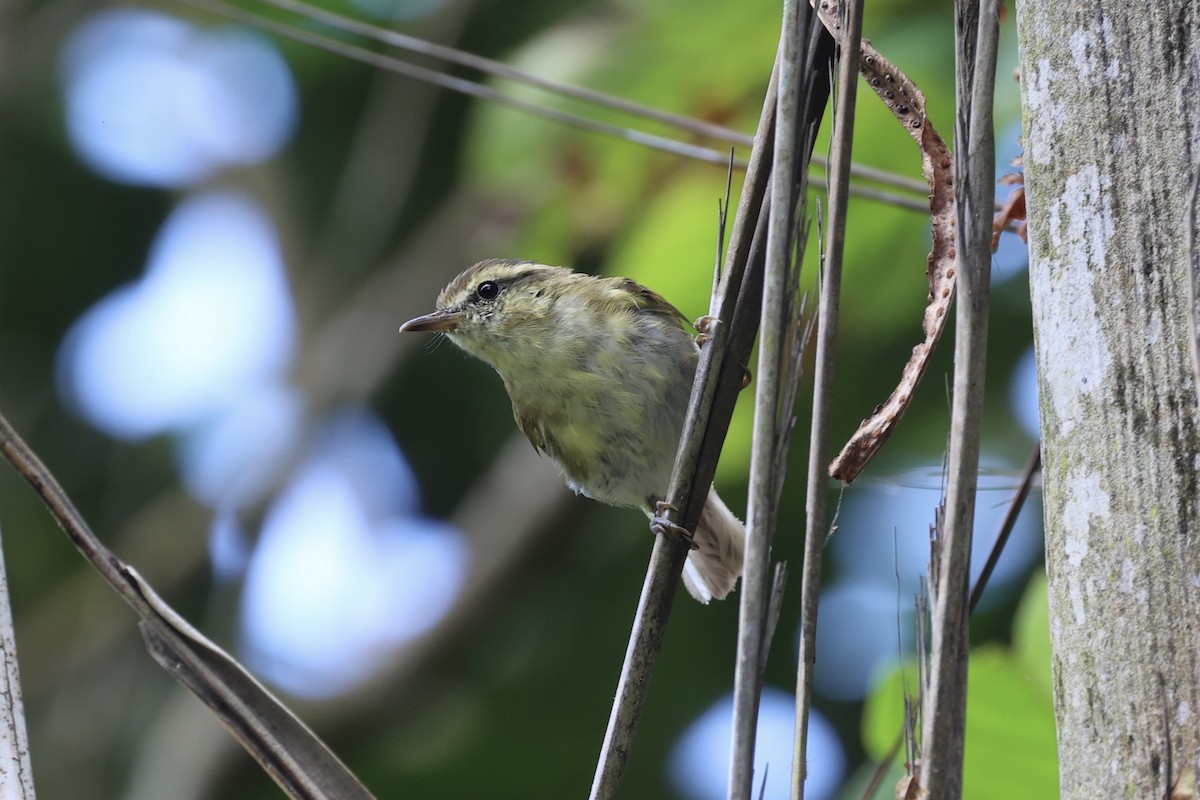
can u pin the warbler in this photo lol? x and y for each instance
(599, 371)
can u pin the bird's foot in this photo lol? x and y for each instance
(705, 325)
(660, 525)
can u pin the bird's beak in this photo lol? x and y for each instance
(437, 321)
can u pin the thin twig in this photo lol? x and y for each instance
(774, 609)
(463, 86)
(799, 331)
(913, 721)
(849, 34)
(760, 513)
(920, 205)
(945, 698)
(470, 88)
(722, 229)
(1006, 525)
(881, 769)
(499, 69)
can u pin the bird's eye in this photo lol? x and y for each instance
(488, 290)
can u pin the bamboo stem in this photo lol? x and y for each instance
(945, 695)
(817, 494)
(764, 466)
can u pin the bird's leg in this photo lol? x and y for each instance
(660, 525)
(705, 325)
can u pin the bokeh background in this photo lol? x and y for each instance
(208, 237)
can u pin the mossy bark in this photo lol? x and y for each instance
(1111, 99)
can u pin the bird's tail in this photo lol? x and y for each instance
(715, 565)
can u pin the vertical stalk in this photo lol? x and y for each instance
(827, 321)
(945, 697)
(764, 465)
(14, 740)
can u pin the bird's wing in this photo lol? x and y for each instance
(649, 301)
(535, 433)
(573, 462)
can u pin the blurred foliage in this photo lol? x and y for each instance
(515, 705)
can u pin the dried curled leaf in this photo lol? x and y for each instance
(1013, 211)
(910, 789)
(907, 104)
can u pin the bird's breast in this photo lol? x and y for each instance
(610, 412)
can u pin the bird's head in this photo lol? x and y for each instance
(496, 304)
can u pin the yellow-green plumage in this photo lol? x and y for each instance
(599, 371)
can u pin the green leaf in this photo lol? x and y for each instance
(1031, 631)
(1011, 749)
(1010, 743)
(883, 716)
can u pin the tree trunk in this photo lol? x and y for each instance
(1111, 95)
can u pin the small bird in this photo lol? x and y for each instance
(599, 371)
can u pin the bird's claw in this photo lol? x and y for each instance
(705, 325)
(661, 526)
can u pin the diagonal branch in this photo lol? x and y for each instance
(488, 66)
(718, 379)
(290, 753)
(491, 67)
